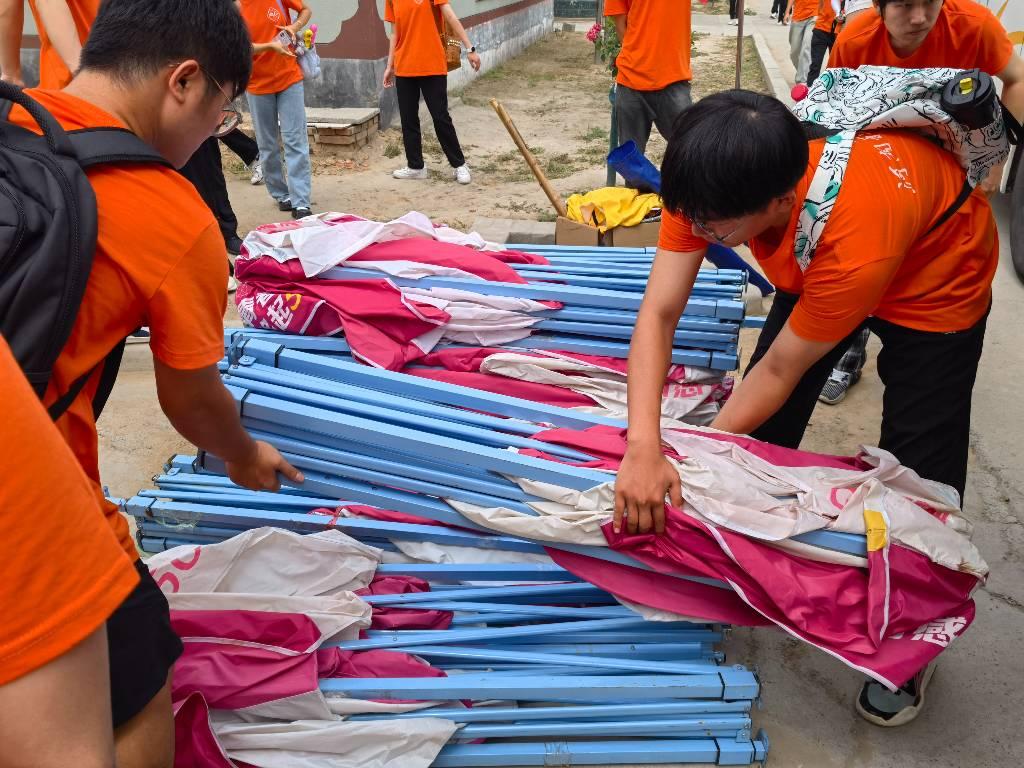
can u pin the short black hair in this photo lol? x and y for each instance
(132, 39)
(731, 154)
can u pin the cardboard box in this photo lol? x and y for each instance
(569, 232)
(643, 235)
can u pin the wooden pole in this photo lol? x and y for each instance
(739, 42)
(531, 161)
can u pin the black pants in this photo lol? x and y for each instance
(435, 93)
(821, 41)
(779, 9)
(205, 172)
(926, 406)
(732, 9)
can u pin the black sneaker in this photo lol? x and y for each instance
(139, 336)
(835, 389)
(301, 213)
(880, 706)
(234, 245)
(284, 205)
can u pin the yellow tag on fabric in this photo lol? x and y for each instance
(874, 523)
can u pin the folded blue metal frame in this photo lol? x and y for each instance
(406, 639)
(586, 297)
(726, 684)
(392, 412)
(357, 527)
(593, 662)
(278, 356)
(603, 753)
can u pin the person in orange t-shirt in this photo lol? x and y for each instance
(63, 25)
(159, 261)
(417, 64)
(886, 258)
(277, 101)
(64, 574)
(961, 34)
(652, 86)
(830, 19)
(801, 17)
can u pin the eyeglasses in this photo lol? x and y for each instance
(720, 239)
(231, 117)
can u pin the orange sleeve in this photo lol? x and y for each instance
(616, 7)
(835, 298)
(389, 12)
(186, 314)
(295, 5)
(676, 234)
(440, 2)
(996, 49)
(64, 571)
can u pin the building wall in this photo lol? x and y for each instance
(353, 45)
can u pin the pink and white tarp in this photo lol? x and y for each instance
(254, 613)
(887, 614)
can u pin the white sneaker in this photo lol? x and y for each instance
(462, 174)
(410, 173)
(734, 22)
(257, 174)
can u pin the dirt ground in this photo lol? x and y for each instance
(558, 98)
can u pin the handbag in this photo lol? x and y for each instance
(307, 58)
(451, 44)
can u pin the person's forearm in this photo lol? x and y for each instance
(620, 26)
(456, 26)
(12, 19)
(60, 28)
(650, 356)
(391, 48)
(302, 19)
(211, 423)
(761, 393)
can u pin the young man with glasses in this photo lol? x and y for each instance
(925, 292)
(159, 262)
(961, 34)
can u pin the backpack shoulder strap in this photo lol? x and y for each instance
(108, 368)
(99, 146)
(961, 198)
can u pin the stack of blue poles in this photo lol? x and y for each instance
(601, 290)
(566, 672)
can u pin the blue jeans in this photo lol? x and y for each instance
(289, 109)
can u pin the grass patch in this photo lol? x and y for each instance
(392, 149)
(593, 134)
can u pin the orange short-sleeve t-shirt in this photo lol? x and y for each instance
(271, 72)
(875, 256)
(804, 9)
(53, 73)
(418, 49)
(656, 50)
(965, 35)
(826, 16)
(159, 262)
(64, 572)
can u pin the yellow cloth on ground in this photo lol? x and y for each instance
(611, 207)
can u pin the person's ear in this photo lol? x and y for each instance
(185, 79)
(786, 200)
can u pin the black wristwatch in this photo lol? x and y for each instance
(472, 49)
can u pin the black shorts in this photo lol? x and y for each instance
(142, 648)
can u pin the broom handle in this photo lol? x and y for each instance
(531, 161)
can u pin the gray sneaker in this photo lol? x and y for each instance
(838, 384)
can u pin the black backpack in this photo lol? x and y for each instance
(48, 223)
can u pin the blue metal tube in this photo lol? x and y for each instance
(592, 712)
(485, 688)
(724, 726)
